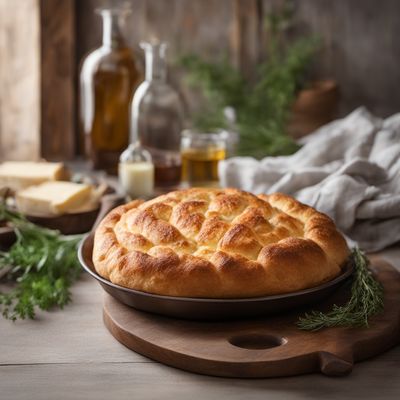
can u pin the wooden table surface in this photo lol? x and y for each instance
(70, 355)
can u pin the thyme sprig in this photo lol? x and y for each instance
(366, 300)
(42, 266)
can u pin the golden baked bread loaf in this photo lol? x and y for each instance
(218, 243)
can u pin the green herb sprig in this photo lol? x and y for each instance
(43, 265)
(262, 106)
(365, 301)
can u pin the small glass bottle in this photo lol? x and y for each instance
(157, 117)
(136, 172)
(108, 79)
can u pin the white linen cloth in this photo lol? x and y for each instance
(348, 169)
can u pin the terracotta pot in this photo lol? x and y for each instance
(314, 106)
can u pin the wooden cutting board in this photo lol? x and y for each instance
(269, 347)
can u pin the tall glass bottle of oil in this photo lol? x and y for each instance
(108, 79)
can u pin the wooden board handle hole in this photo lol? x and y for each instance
(256, 341)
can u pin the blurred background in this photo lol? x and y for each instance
(44, 42)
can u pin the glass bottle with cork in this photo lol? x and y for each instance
(157, 117)
(108, 79)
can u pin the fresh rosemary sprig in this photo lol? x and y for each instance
(365, 301)
(43, 265)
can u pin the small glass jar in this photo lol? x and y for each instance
(136, 172)
(201, 153)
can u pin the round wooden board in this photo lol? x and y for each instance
(269, 347)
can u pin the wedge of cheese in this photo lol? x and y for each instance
(53, 198)
(18, 175)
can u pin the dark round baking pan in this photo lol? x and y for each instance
(209, 309)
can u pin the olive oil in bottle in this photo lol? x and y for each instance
(108, 79)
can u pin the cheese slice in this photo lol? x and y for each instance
(53, 198)
(21, 174)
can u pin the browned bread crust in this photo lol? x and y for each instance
(218, 243)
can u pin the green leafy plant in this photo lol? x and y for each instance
(365, 301)
(42, 265)
(262, 108)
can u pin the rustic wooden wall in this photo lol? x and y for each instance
(37, 79)
(58, 68)
(39, 63)
(19, 80)
(361, 49)
(207, 27)
(360, 46)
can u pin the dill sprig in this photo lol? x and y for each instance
(42, 266)
(365, 301)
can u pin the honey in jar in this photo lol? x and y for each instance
(201, 154)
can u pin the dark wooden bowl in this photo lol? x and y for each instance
(68, 224)
(7, 237)
(315, 105)
(75, 223)
(209, 309)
